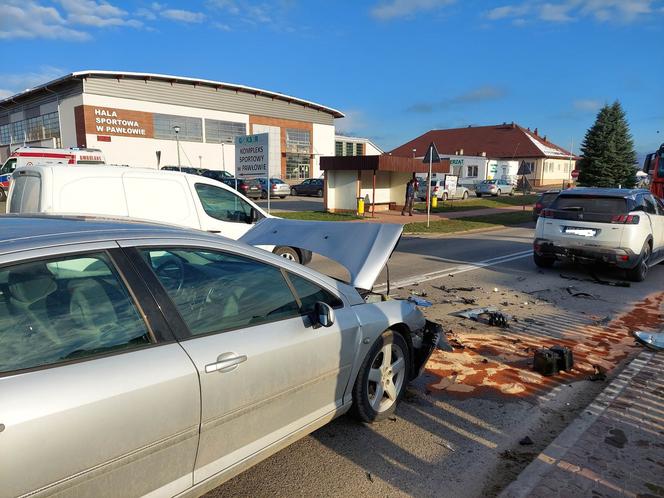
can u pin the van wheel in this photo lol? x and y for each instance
(478, 194)
(3, 195)
(287, 252)
(382, 379)
(640, 271)
(464, 196)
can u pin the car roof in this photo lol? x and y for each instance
(26, 232)
(604, 192)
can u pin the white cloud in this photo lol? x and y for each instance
(391, 9)
(31, 20)
(183, 15)
(17, 82)
(562, 11)
(251, 13)
(351, 124)
(98, 14)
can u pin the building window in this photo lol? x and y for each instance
(359, 149)
(191, 129)
(298, 154)
(217, 132)
(31, 129)
(349, 149)
(338, 148)
(472, 171)
(4, 134)
(298, 141)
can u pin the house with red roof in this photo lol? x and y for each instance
(506, 143)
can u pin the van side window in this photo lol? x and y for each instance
(63, 309)
(8, 167)
(222, 204)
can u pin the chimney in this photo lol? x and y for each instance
(545, 138)
(483, 154)
(535, 132)
(461, 152)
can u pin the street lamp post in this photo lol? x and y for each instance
(176, 129)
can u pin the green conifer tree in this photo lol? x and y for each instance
(607, 151)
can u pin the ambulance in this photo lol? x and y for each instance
(27, 156)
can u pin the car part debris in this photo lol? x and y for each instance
(420, 301)
(526, 441)
(544, 362)
(564, 357)
(651, 340)
(571, 292)
(421, 294)
(456, 289)
(446, 445)
(486, 315)
(596, 280)
(598, 375)
(602, 321)
(369, 476)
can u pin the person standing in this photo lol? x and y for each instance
(410, 197)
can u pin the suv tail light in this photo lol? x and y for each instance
(547, 213)
(244, 186)
(626, 219)
(538, 205)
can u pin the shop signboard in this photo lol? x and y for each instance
(251, 156)
(451, 182)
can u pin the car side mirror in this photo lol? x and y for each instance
(324, 314)
(253, 216)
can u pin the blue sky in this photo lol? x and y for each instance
(397, 68)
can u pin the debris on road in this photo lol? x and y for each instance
(596, 280)
(488, 315)
(544, 362)
(369, 476)
(526, 441)
(598, 375)
(419, 301)
(572, 293)
(455, 289)
(651, 340)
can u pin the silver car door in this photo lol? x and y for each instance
(95, 400)
(265, 371)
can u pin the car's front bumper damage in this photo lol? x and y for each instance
(425, 341)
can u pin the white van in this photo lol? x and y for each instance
(162, 196)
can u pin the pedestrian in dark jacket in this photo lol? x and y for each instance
(410, 197)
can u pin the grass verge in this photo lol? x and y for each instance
(315, 216)
(470, 223)
(479, 203)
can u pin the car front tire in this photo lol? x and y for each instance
(478, 194)
(640, 271)
(293, 192)
(319, 193)
(382, 379)
(543, 261)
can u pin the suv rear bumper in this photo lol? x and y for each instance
(619, 257)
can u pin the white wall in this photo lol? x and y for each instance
(323, 145)
(342, 190)
(142, 151)
(370, 150)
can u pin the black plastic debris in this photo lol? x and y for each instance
(564, 357)
(598, 375)
(526, 441)
(544, 362)
(489, 316)
(596, 280)
(574, 293)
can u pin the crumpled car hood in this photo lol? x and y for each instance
(362, 248)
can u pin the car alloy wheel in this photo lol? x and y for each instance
(383, 377)
(293, 192)
(288, 253)
(319, 193)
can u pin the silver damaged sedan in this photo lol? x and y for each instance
(143, 359)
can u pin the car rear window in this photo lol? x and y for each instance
(591, 204)
(26, 194)
(548, 198)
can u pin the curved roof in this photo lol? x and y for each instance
(179, 79)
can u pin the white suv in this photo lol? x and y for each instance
(620, 227)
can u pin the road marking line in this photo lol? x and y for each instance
(454, 270)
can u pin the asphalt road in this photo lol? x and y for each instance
(464, 442)
(293, 203)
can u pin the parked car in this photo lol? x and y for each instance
(162, 196)
(217, 174)
(157, 360)
(310, 186)
(543, 201)
(438, 189)
(249, 188)
(279, 188)
(494, 188)
(620, 227)
(185, 169)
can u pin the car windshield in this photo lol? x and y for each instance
(591, 204)
(277, 181)
(489, 182)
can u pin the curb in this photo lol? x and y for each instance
(548, 459)
(464, 232)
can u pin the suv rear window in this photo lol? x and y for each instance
(548, 198)
(591, 204)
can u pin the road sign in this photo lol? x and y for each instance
(575, 173)
(251, 156)
(431, 155)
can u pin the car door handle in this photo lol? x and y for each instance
(226, 362)
(214, 231)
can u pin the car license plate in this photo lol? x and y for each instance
(585, 232)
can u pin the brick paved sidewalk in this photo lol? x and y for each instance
(614, 448)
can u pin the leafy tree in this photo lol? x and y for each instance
(607, 151)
